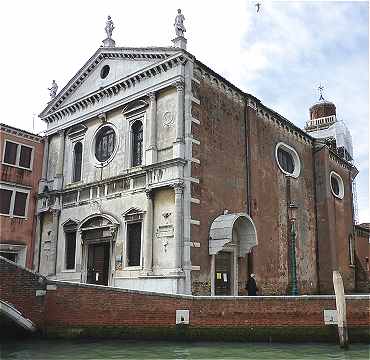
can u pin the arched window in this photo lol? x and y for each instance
(105, 143)
(77, 162)
(137, 143)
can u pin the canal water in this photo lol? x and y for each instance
(119, 349)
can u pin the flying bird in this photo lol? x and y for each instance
(258, 5)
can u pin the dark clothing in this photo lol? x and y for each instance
(251, 287)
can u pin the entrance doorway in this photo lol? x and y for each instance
(223, 273)
(98, 263)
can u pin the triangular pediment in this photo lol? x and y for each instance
(105, 68)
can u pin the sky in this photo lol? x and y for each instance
(280, 54)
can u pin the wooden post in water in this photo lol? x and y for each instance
(341, 309)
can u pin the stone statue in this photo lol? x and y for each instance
(109, 27)
(179, 24)
(53, 90)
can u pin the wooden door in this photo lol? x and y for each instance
(223, 273)
(98, 264)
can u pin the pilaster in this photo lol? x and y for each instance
(151, 151)
(58, 179)
(178, 145)
(179, 216)
(148, 240)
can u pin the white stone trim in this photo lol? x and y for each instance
(194, 222)
(295, 156)
(197, 101)
(195, 200)
(340, 184)
(194, 120)
(195, 160)
(195, 244)
(195, 268)
(195, 141)
(195, 80)
(193, 179)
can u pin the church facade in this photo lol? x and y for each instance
(160, 175)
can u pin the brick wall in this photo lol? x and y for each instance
(20, 231)
(271, 191)
(221, 173)
(78, 309)
(18, 286)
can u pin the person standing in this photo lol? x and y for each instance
(251, 285)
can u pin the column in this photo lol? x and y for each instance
(54, 244)
(148, 240)
(213, 274)
(152, 129)
(178, 147)
(60, 163)
(45, 162)
(78, 250)
(36, 257)
(179, 216)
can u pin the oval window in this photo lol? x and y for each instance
(105, 143)
(336, 185)
(287, 159)
(104, 71)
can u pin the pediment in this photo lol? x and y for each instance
(105, 68)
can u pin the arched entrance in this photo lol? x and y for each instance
(231, 236)
(98, 234)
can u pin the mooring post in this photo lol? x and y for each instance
(340, 301)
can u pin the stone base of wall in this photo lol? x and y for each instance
(184, 332)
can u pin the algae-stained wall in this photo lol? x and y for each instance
(334, 221)
(271, 192)
(220, 129)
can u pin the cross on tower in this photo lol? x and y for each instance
(321, 89)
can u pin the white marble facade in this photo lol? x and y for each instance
(115, 89)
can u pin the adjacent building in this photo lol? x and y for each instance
(20, 173)
(161, 175)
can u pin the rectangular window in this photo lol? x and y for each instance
(133, 244)
(25, 157)
(13, 202)
(17, 154)
(5, 201)
(20, 203)
(70, 250)
(10, 156)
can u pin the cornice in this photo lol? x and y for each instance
(135, 54)
(115, 88)
(20, 133)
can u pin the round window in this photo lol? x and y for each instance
(287, 159)
(336, 184)
(105, 143)
(104, 71)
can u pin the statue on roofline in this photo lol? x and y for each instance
(109, 27)
(53, 90)
(179, 24)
